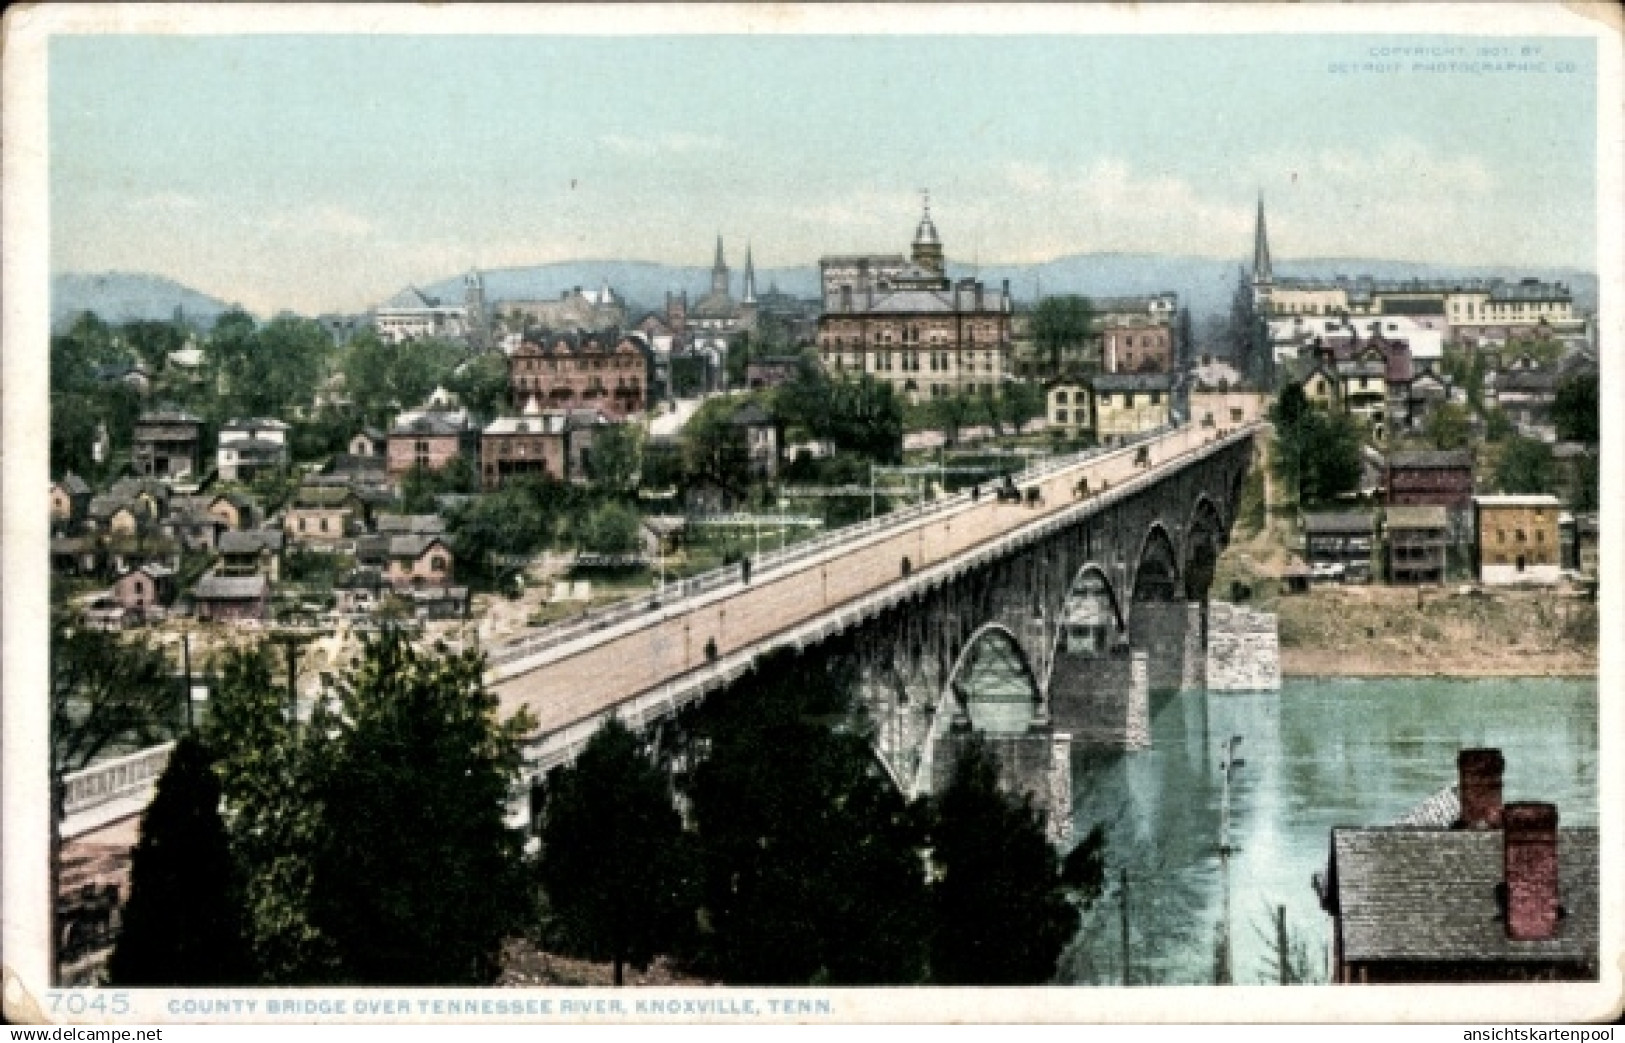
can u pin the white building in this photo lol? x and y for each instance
(412, 313)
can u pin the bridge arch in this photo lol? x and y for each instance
(1156, 568)
(1204, 540)
(992, 682)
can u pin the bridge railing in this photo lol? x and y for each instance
(113, 779)
(683, 591)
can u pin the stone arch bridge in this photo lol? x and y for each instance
(1041, 622)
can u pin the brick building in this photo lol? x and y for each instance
(1518, 539)
(910, 326)
(144, 592)
(1137, 348)
(418, 561)
(1464, 889)
(430, 441)
(608, 373)
(534, 444)
(1432, 477)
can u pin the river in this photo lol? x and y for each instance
(1317, 754)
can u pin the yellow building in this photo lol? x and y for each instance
(1323, 388)
(1517, 539)
(1130, 403)
(1363, 384)
(1289, 299)
(1067, 408)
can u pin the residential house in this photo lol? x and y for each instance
(534, 444)
(1364, 389)
(1418, 543)
(118, 516)
(323, 516)
(607, 373)
(419, 561)
(1525, 392)
(1322, 385)
(1339, 541)
(443, 602)
(1437, 477)
(234, 510)
(1067, 409)
(409, 525)
(251, 552)
(231, 599)
(1464, 889)
(1429, 390)
(359, 591)
(1128, 404)
(369, 442)
(247, 448)
(430, 441)
(70, 500)
(1141, 347)
(150, 491)
(76, 556)
(1518, 539)
(757, 437)
(166, 444)
(145, 592)
(192, 525)
(1579, 537)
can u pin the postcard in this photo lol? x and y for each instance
(702, 514)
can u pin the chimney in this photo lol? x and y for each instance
(1530, 843)
(1480, 788)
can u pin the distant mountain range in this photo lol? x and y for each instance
(1205, 284)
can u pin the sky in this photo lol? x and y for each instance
(323, 173)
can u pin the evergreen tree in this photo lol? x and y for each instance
(1000, 906)
(417, 877)
(183, 925)
(812, 871)
(615, 864)
(1525, 466)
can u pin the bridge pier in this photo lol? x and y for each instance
(1172, 634)
(1036, 763)
(1103, 700)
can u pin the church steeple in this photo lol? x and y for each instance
(927, 253)
(719, 272)
(1262, 275)
(748, 293)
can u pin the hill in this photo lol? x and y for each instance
(128, 297)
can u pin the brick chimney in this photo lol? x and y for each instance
(1480, 788)
(1530, 845)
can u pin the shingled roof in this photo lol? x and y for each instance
(1417, 893)
(1337, 523)
(1431, 459)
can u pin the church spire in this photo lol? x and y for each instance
(1262, 275)
(748, 293)
(719, 272)
(927, 253)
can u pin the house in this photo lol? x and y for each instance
(118, 516)
(1518, 540)
(234, 510)
(1338, 544)
(249, 447)
(1363, 385)
(1434, 477)
(149, 491)
(409, 525)
(323, 515)
(1579, 534)
(192, 526)
(250, 552)
(1464, 889)
(359, 592)
(771, 371)
(219, 598)
(756, 435)
(1067, 409)
(437, 602)
(1321, 385)
(369, 442)
(1418, 543)
(166, 444)
(430, 441)
(1137, 348)
(534, 444)
(609, 373)
(1526, 394)
(70, 500)
(1429, 390)
(145, 592)
(76, 556)
(418, 561)
(1130, 404)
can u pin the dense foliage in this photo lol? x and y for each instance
(1317, 454)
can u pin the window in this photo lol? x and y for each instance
(1156, 398)
(437, 563)
(1060, 416)
(1519, 536)
(1060, 397)
(324, 524)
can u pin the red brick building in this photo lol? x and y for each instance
(419, 561)
(518, 445)
(609, 373)
(1137, 349)
(430, 441)
(1438, 478)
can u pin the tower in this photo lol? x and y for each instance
(474, 308)
(719, 273)
(748, 292)
(1263, 277)
(927, 252)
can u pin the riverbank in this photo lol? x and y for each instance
(1458, 630)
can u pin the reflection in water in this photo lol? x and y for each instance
(1318, 754)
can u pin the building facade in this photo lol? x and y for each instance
(1418, 542)
(608, 373)
(1130, 404)
(910, 327)
(1518, 539)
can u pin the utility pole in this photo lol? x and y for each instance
(1225, 970)
(1123, 909)
(1282, 955)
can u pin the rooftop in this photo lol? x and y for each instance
(1431, 458)
(1419, 516)
(230, 588)
(1332, 522)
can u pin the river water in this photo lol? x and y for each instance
(1317, 754)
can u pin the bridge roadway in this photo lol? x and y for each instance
(648, 656)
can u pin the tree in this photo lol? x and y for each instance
(615, 865)
(267, 762)
(1525, 466)
(183, 924)
(1061, 324)
(1447, 426)
(811, 859)
(950, 415)
(482, 384)
(1020, 401)
(1576, 410)
(712, 448)
(1001, 915)
(1497, 425)
(860, 415)
(617, 457)
(613, 528)
(416, 871)
(1316, 453)
(382, 378)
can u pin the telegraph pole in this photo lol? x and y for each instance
(1224, 970)
(1124, 926)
